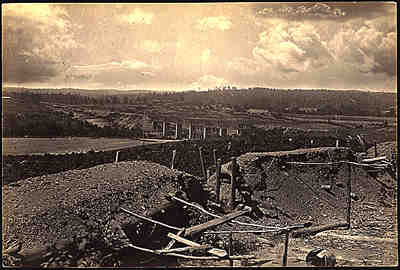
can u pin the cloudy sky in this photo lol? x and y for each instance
(201, 46)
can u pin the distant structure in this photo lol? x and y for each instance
(191, 128)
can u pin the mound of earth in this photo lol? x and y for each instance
(41, 210)
(292, 194)
(384, 149)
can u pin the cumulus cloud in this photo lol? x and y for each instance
(152, 46)
(244, 66)
(318, 10)
(39, 41)
(368, 48)
(205, 55)
(138, 16)
(127, 64)
(208, 82)
(291, 47)
(127, 72)
(220, 23)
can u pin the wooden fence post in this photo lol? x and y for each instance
(215, 157)
(349, 197)
(233, 184)
(116, 156)
(376, 150)
(230, 249)
(173, 159)
(285, 251)
(203, 169)
(218, 180)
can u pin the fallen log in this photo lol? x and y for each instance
(317, 229)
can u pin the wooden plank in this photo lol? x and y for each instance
(151, 220)
(215, 222)
(173, 241)
(369, 160)
(215, 251)
(317, 229)
(182, 249)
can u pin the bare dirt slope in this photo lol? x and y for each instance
(372, 238)
(41, 210)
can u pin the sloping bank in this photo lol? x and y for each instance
(77, 205)
(24, 166)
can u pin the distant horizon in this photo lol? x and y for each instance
(198, 46)
(196, 90)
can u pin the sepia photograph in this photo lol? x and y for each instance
(199, 134)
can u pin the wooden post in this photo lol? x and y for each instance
(190, 131)
(204, 133)
(215, 157)
(178, 130)
(218, 180)
(376, 150)
(203, 169)
(116, 156)
(208, 174)
(285, 251)
(173, 159)
(337, 143)
(164, 129)
(349, 196)
(230, 250)
(233, 184)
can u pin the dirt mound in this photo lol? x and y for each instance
(44, 209)
(384, 149)
(292, 194)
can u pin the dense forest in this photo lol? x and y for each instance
(276, 100)
(55, 124)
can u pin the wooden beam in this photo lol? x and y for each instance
(151, 220)
(215, 251)
(369, 160)
(317, 229)
(172, 242)
(215, 222)
(182, 249)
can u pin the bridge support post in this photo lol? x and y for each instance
(178, 130)
(204, 133)
(190, 131)
(164, 129)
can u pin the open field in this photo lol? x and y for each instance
(41, 146)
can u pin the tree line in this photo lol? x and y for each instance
(319, 101)
(59, 124)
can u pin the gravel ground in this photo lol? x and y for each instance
(43, 209)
